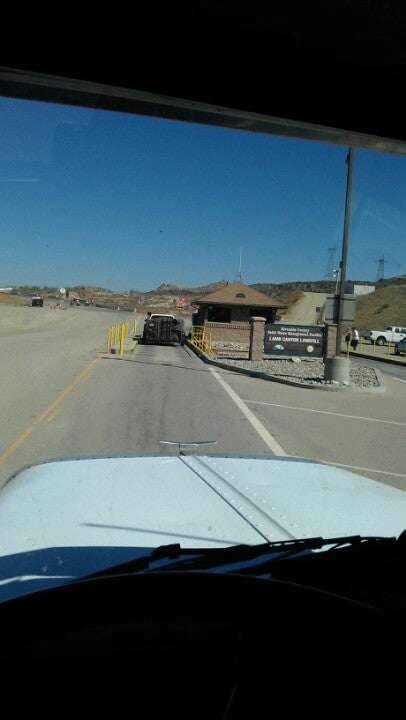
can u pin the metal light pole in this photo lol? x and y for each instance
(343, 263)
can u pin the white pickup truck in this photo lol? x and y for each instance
(391, 334)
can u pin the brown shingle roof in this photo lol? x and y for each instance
(240, 294)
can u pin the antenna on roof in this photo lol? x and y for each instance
(238, 276)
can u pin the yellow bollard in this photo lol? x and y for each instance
(122, 336)
(108, 341)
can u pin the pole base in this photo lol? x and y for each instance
(337, 368)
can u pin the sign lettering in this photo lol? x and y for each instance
(294, 340)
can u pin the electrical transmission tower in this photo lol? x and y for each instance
(330, 269)
(381, 264)
(238, 277)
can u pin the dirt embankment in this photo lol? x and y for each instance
(307, 310)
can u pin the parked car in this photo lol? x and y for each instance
(37, 301)
(400, 347)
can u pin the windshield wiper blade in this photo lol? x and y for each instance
(195, 557)
(280, 550)
(209, 558)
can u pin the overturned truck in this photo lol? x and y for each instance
(163, 329)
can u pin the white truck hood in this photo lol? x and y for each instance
(193, 500)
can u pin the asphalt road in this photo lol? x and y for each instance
(65, 396)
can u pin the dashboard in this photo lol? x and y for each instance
(200, 644)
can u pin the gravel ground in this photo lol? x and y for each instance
(306, 371)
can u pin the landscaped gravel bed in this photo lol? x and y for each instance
(307, 371)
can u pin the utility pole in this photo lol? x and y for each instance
(343, 263)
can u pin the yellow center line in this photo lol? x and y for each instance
(53, 415)
(47, 411)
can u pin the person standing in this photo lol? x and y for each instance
(354, 338)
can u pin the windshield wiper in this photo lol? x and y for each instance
(209, 558)
(277, 552)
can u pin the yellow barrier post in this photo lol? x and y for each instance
(108, 341)
(116, 336)
(122, 335)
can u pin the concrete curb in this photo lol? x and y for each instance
(129, 346)
(283, 381)
(367, 356)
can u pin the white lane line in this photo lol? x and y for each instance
(325, 412)
(395, 378)
(356, 467)
(264, 434)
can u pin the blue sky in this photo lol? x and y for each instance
(130, 202)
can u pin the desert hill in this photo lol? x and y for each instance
(385, 306)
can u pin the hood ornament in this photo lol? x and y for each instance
(192, 446)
